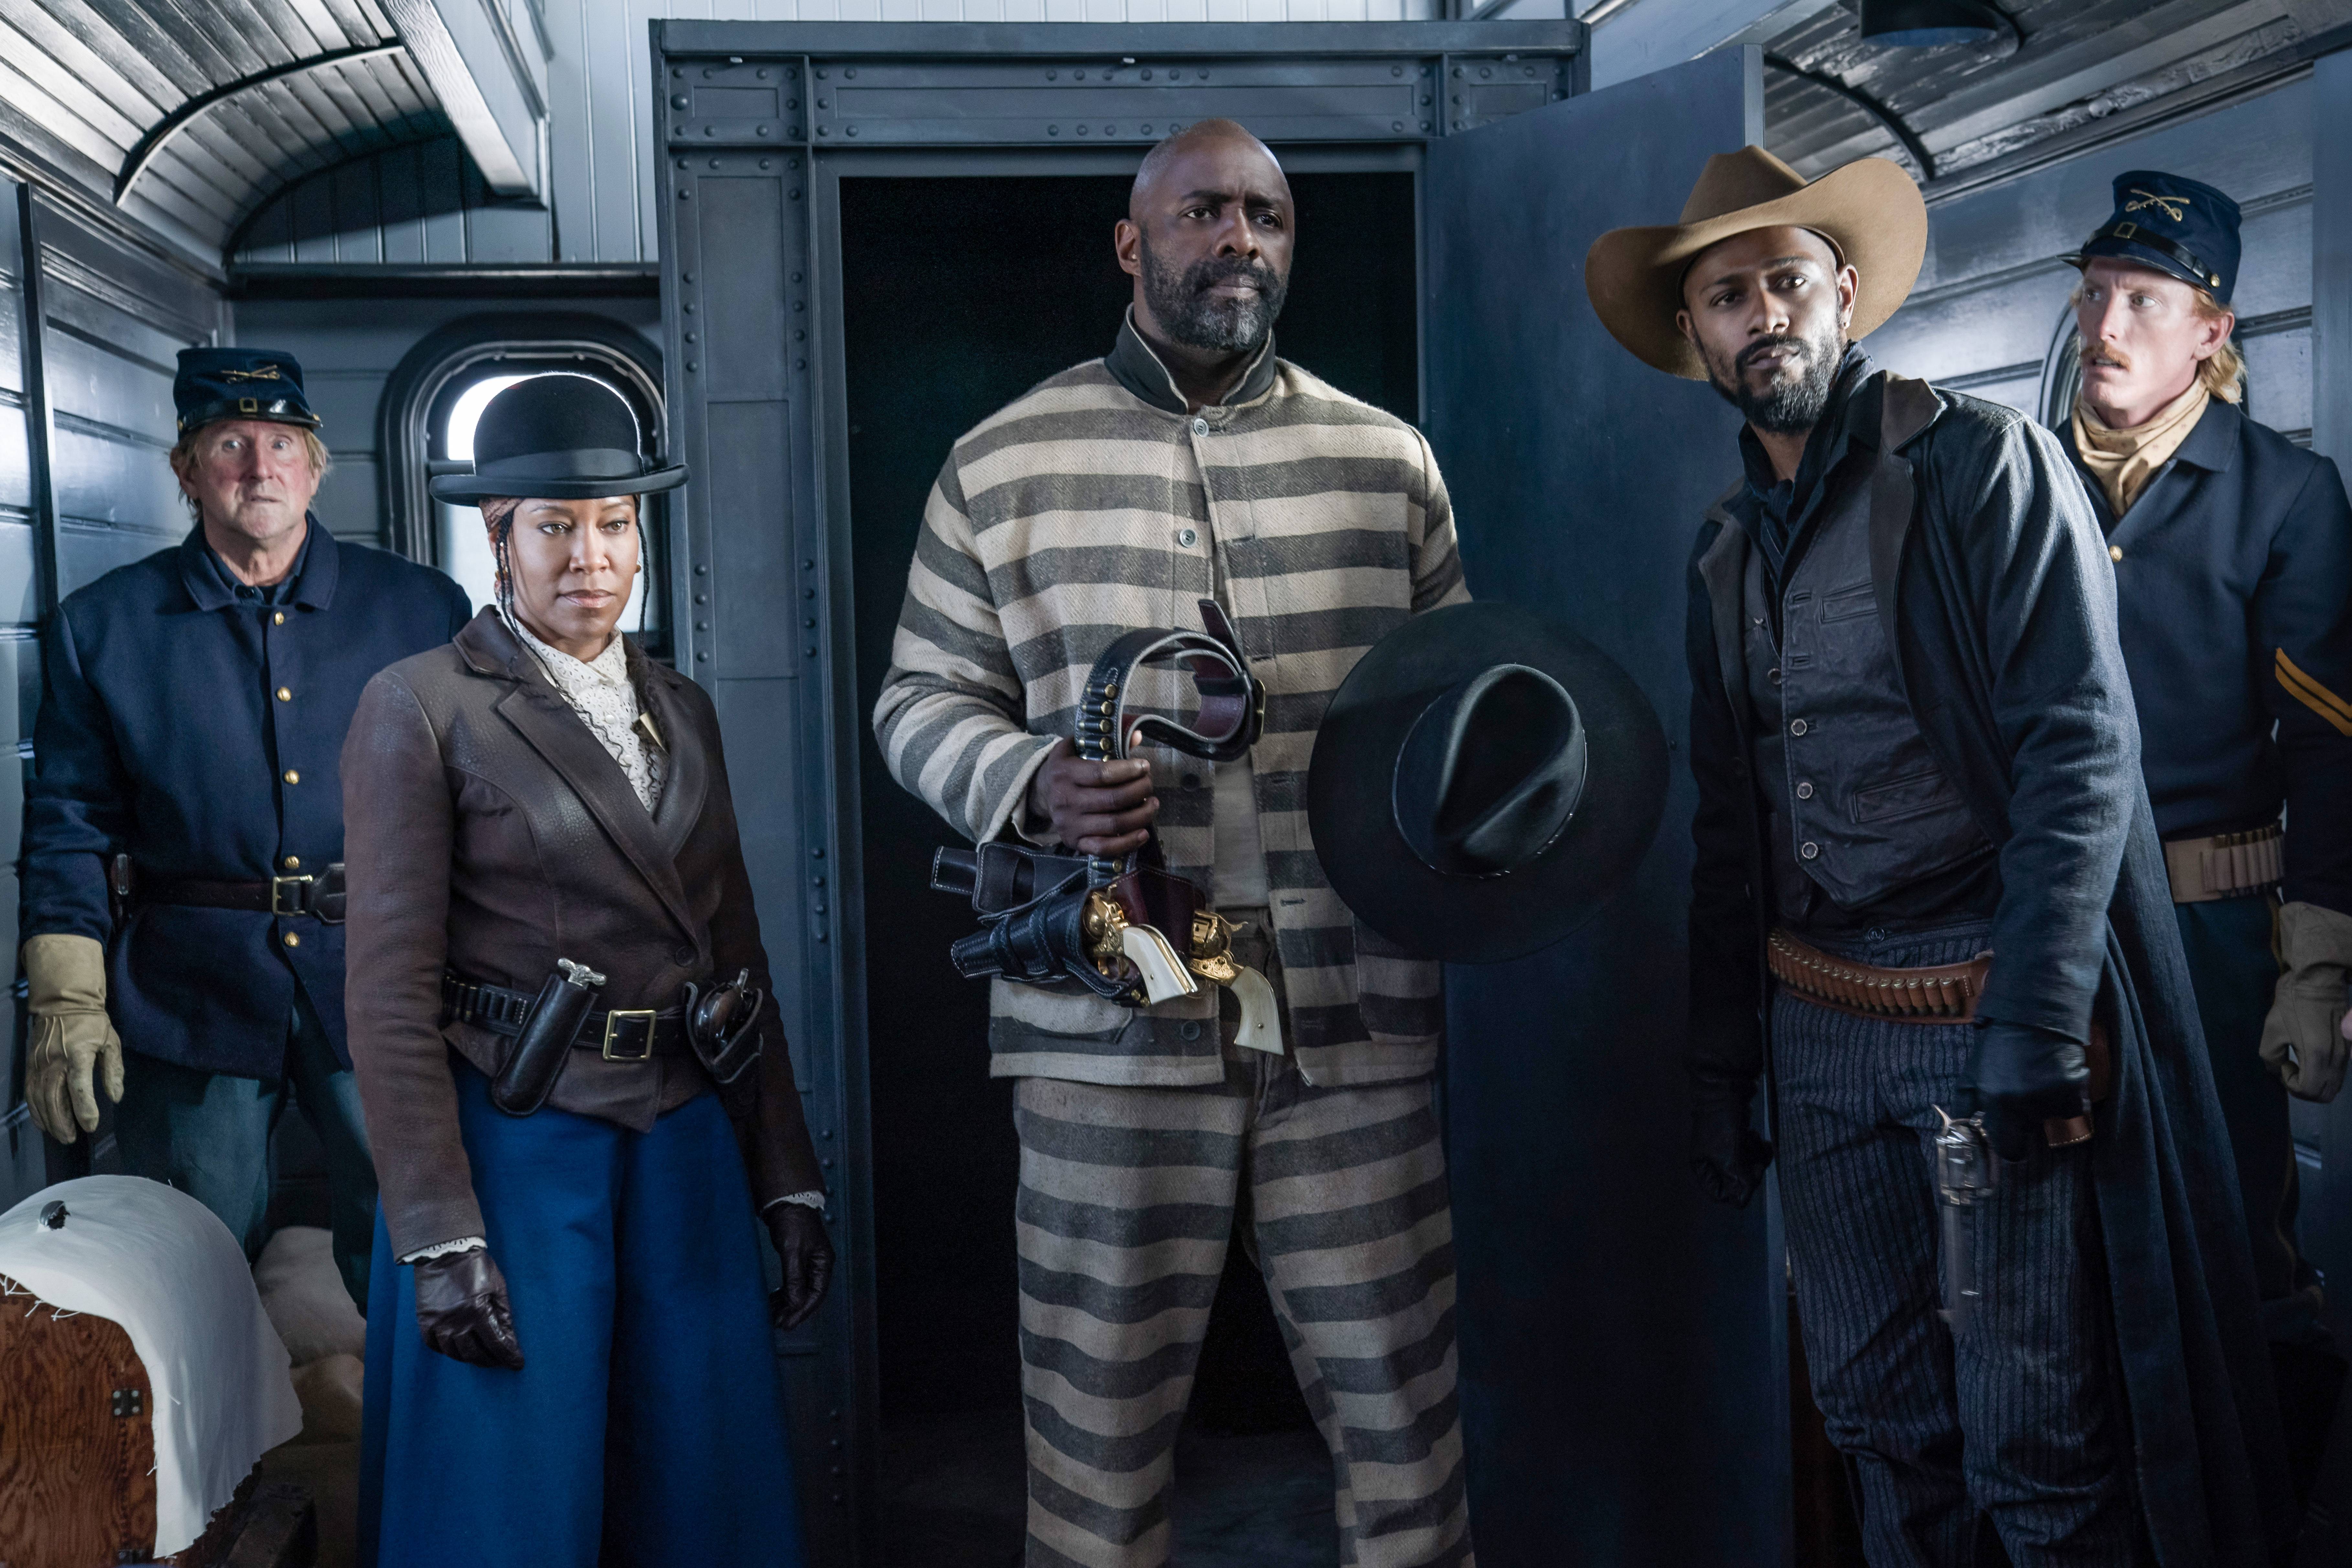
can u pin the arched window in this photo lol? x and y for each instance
(434, 401)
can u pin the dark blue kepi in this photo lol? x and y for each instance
(2180, 227)
(240, 384)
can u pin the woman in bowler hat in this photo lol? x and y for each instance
(569, 1354)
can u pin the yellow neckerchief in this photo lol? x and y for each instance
(2123, 461)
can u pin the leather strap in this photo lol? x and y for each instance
(1937, 993)
(318, 897)
(622, 1035)
(1932, 994)
(2137, 233)
(2225, 864)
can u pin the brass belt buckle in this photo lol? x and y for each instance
(625, 1024)
(278, 891)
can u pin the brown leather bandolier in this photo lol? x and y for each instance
(1933, 993)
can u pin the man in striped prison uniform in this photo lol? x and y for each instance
(1191, 463)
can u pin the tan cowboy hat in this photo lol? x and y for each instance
(1869, 209)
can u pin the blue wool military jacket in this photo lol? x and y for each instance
(200, 732)
(2233, 585)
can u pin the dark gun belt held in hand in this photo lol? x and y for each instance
(318, 897)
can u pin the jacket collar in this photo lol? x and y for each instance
(1134, 366)
(315, 575)
(2213, 443)
(546, 721)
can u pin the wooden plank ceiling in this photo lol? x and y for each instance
(1965, 106)
(189, 113)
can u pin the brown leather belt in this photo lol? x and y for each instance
(318, 897)
(1933, 993)
(1937, 994)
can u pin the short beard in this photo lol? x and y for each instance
(1181, 303)
(1793, 402)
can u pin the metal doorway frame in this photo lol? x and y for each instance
(755, 125)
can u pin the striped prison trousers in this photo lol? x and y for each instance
(1128, 1198)
(2016, 1426)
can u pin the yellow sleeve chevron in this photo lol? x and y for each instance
(2312, 695)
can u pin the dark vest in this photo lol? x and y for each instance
(1855, 798)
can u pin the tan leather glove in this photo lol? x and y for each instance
(2303, 1040)
(72, 1037)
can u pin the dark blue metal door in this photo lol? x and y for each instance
(1623, 1364)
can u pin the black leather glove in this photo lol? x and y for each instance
(462, 1310)
(1726, 1156)
(798, 1232)
(2023, 1076)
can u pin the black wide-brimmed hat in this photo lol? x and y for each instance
(557, 438)
(1483, 781)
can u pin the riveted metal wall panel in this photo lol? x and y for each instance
(747, 604)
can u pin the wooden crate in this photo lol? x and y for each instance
(78, 1457)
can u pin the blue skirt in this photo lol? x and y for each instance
(646, 1428)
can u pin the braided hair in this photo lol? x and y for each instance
(498, 516)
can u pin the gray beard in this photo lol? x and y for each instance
(1185, 312)
(1793, 402)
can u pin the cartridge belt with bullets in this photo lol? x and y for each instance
(2225, 864)
(1934, 994)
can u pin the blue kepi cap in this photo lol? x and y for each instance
(240, 384)
(2179, 228)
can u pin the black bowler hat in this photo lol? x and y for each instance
(1483, 781)
(239, 383)
(557, 438)
(2180, 227)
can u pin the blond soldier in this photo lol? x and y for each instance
(1187, 463)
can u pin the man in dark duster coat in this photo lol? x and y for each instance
(1928, 879)
(184, 828)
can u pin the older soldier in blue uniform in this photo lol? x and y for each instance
(184, 831)
(2232, 552)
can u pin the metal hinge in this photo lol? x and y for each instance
(130, 1401)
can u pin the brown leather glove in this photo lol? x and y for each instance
(798, 1232)
(74, 1050)
(462, 1310)
(2303, 1039)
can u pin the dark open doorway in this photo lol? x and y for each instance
(959, 294)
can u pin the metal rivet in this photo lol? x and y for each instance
(825, 103)
(1396, 124)
(694, 365)
(851, 73)
(679, 101)
(1145, 129)
(686, 276)
(809, 650)
(703, 659)
(1052, 75)
(1396, 70)
(1052, 130)
(1810, 851)
(1796, 726)
(1805, 790)
(702, 625)
(1082, 129)
(820, 74)
(825, 130)
(1147, 73)
(1077, 76)
(703, 570)
(763, 75)
(1484, 73)
(715, 163)
(710, 131)
(808, 562)
(763, 130)
(767, 163)
(796, 190)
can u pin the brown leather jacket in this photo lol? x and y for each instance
(487, 831)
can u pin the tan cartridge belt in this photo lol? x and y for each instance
(1938, 993)
(2224, 865)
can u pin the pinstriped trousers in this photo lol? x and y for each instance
(2020, 1418)
(1127, 1200)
